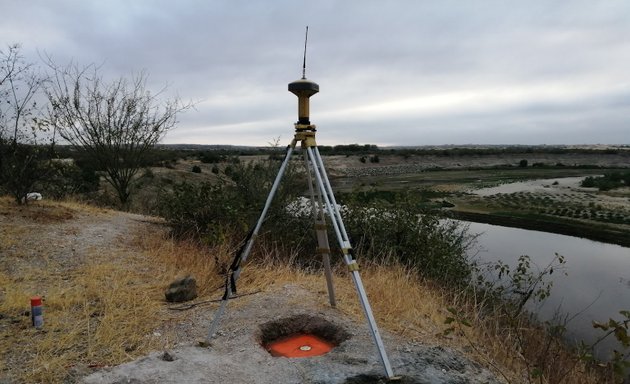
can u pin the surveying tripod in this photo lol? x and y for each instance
(322, 203)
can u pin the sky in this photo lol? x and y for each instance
(390, 72)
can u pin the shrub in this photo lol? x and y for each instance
(212, 212)
(196, 169)
(211, 157)
(403, 232)
(608, 181)
(68, 178)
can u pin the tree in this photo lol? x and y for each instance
(26, 146)
(115, 123)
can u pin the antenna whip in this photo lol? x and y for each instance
(304, 62)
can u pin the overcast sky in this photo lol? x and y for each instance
(390, 72)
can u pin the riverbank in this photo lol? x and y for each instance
(603, 233)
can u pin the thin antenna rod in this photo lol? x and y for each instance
(304, 62)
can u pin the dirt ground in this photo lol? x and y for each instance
(63, 239)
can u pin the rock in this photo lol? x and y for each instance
(166, 356)
(181, 290)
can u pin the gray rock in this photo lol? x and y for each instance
(181, 290)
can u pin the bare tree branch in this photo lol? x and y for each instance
(24, 161)
(117, 123)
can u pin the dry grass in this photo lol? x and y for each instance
(416, 309)
(99, 312)
(517, 348)
(104, 311)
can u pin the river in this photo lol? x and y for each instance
(596, 284)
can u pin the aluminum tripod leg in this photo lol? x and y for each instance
(250, 242)
(325, 190)
(323, 245)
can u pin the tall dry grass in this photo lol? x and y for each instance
(104, 312)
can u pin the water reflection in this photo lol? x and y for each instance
(597, 282)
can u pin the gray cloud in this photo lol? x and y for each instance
(400, 72)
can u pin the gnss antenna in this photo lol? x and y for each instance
(303, 89)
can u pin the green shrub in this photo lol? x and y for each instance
(404, 232)
(607, 182)
(212, 213)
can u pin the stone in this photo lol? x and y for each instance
(166, 356)
(181, 290)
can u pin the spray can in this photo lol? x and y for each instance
(37, 314)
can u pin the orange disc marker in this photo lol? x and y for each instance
(303, 345)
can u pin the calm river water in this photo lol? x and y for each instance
(597, 284)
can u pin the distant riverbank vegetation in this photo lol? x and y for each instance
(607, 182)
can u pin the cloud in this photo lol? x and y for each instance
(406, 72)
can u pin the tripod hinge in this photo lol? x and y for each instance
(307, 138)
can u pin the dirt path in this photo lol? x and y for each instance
(62, 237)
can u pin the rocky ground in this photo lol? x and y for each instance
(236, 354)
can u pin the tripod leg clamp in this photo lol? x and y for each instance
(353, 266)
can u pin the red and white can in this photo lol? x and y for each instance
(37, 312)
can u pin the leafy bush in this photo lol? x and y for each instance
(213, 213)
(403, 232)
(200, 210)
(69, 179)
(608, 181)
(196, 169)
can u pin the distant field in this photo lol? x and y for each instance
(572, 210)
